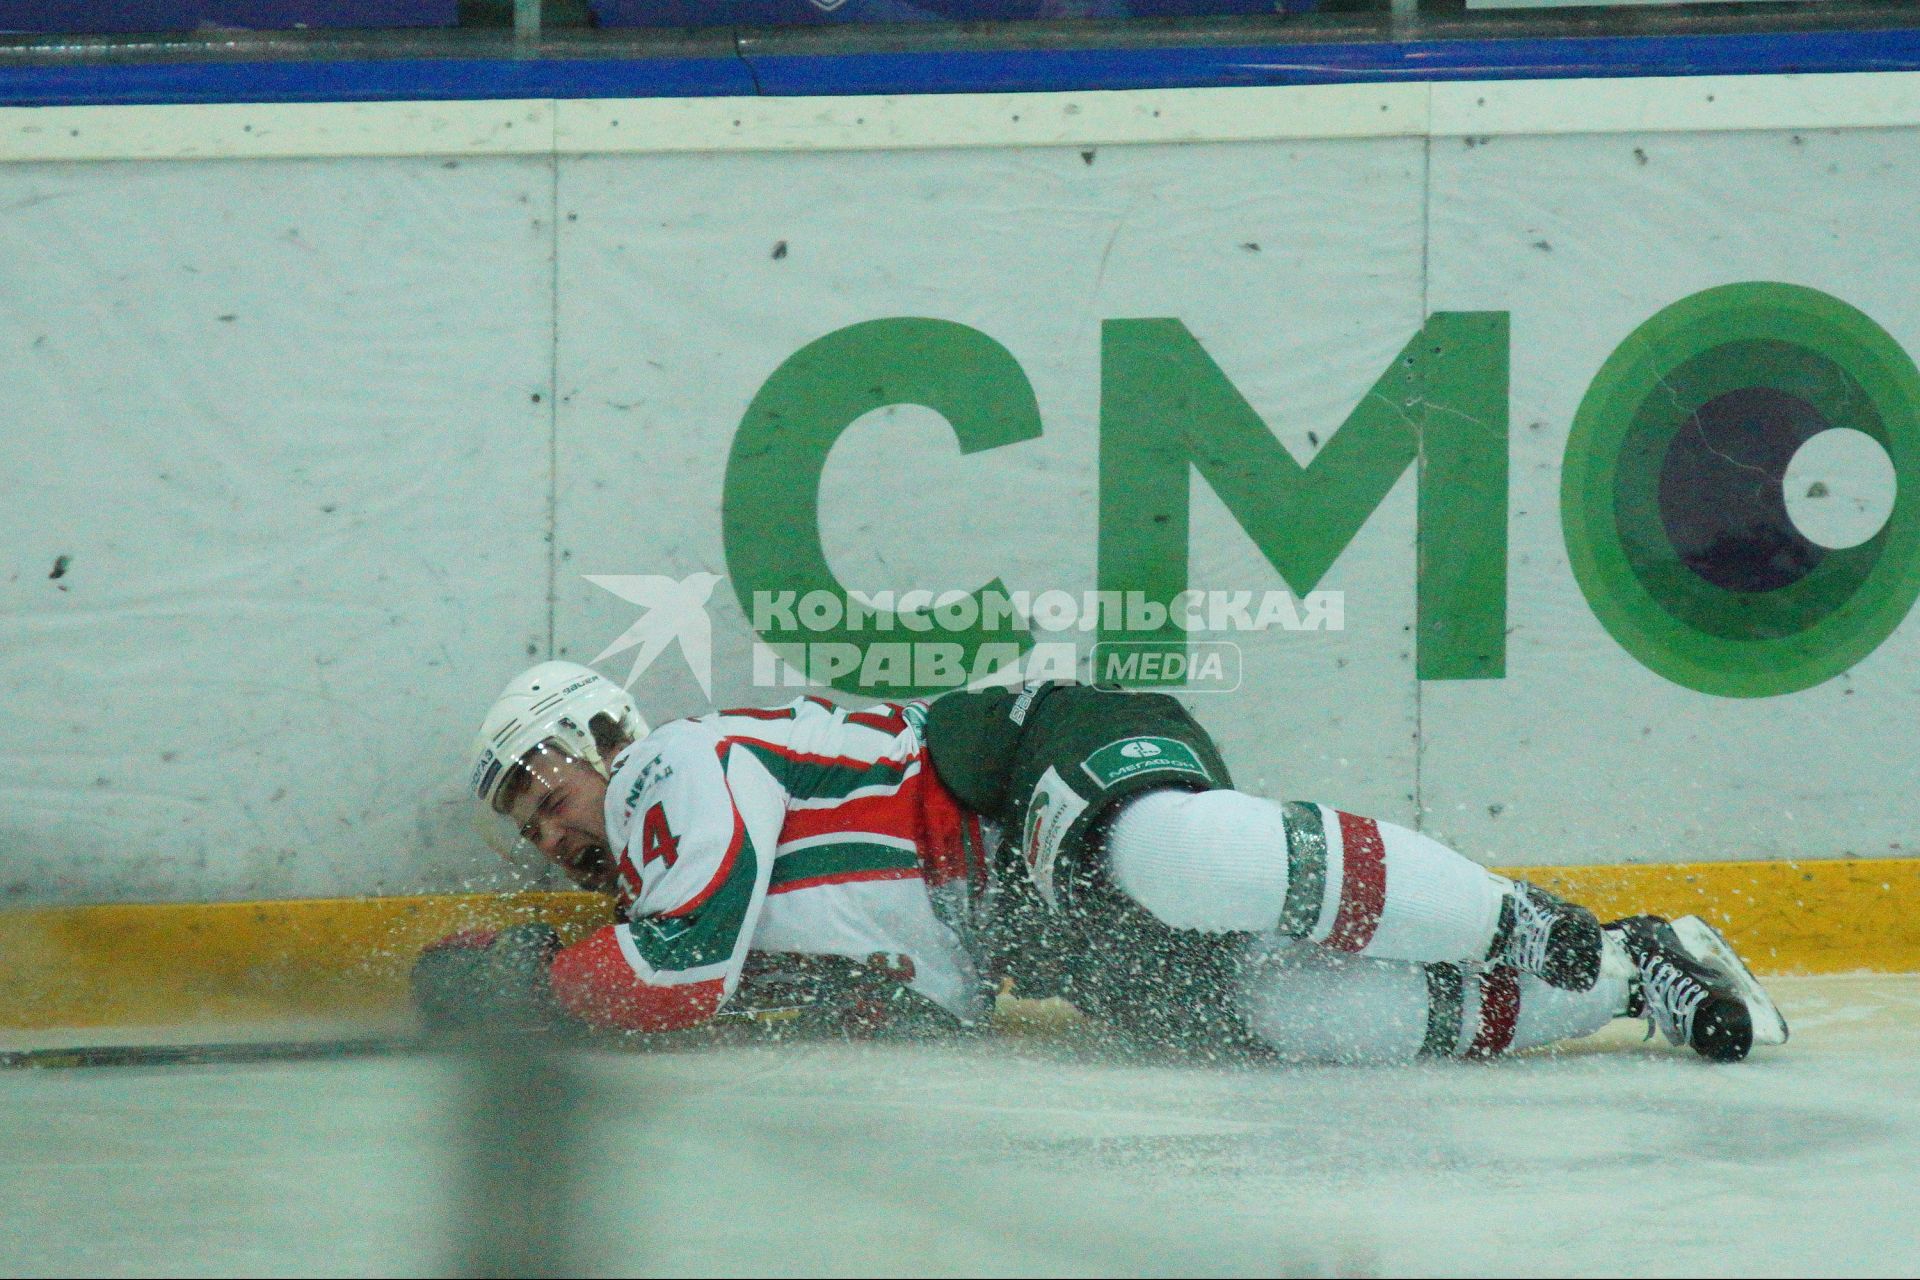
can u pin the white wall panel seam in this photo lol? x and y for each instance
(1419, 795)
(553, 403)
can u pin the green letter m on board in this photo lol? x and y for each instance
(1167, 409)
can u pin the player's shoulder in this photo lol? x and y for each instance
(678, 743)
(671, 741)
(803, 719)
(673, 749)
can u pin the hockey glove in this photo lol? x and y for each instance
(486, 980)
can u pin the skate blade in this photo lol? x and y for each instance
(1708, 946)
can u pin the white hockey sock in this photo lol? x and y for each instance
(1225, 861)
(1213, 860)
(1402, 895)
(1312, 1005)
(1548, 1014)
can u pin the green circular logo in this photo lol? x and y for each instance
(1673, 493)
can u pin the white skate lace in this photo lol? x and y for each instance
(1671, 997)
(1532, 929)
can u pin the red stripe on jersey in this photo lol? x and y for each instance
(889, 721)
(944, 828)
(831, 762)
(760, 713)
(593, 981)
(733, 845)
(847, 877)
(889, 815)
(1363, 883)
(1499, 1012)
(921, 809)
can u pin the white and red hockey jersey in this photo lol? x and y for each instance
(805, 828)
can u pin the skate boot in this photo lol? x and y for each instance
(1692, 986)
(1550, 938)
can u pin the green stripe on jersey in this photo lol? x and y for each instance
(706, 936)
(841, 859)
(820, 780)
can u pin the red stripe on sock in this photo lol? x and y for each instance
(1499, 1011)
(1363, 883)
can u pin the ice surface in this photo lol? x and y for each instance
(1023, 1155)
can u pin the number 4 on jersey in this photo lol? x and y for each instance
(656, 841)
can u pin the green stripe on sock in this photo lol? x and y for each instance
(1446, 1007)
(1306, 868)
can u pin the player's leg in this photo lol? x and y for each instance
(1312, 1005)
(1223, 860)
(1103, 786)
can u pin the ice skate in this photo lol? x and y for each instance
(1712, 948)
(1552, 939)
(1694, 989)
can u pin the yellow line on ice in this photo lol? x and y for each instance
(349, 957)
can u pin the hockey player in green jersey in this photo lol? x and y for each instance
(1073, 840)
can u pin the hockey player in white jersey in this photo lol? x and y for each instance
(1077, 841)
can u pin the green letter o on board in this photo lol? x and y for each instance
(1672, 499)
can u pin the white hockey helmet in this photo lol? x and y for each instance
(555, 710)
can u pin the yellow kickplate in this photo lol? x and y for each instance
(1837, 916)
(347, 957)
(220, 961)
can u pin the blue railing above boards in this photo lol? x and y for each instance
(104, 17)
(817, 62)
(384, 80)
(779, 13)
(949, 71)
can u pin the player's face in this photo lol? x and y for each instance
(562, 813)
